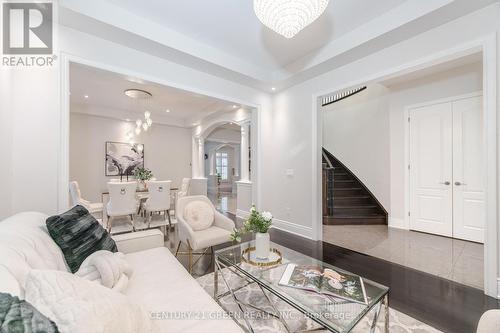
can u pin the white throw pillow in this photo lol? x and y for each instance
(199, 215)
(80, 306)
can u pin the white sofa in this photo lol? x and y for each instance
(159, 281)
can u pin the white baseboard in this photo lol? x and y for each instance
(293, 228)
(397, 223)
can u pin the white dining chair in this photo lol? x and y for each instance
(184, 190)
(122, 202)
(76, 199)
(158, 200)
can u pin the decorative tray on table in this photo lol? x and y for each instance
(248, 256)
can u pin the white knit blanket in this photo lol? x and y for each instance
(107, 268)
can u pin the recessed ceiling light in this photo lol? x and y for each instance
(273, 88)
(86, 96)
(167, 110)
(234, 106)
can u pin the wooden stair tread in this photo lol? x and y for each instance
(352, 197)
(364, 216)
(354, 206)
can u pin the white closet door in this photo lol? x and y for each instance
(431, 169)
(468, 178)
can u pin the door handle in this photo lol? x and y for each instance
(446, 183)
(459, 183)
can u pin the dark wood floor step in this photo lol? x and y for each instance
(341, 177)
(348, 183)
(350, 206)
(361, 196)
(348, 191)
(374, 220)
(365, 216)
(356, 212)
(353, 200)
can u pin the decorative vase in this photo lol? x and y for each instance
(262, 245)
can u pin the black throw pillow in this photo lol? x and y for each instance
(78, 234)
(17, 316)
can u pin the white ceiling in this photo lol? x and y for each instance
(105, 91)
(232, 26)
(225, 38)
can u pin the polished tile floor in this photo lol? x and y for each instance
(452, 259)
(224, 201)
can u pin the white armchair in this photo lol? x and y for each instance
(122, 201)
(158, 200)
(206, 233)
(489, 322)
(76, 199)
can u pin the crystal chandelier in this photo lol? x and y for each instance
(288, 17)
(139, 95)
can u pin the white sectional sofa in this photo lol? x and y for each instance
(159, 281)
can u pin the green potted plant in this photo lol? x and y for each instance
(143, 175)
(259, 223)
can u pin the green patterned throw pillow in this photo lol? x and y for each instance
(78, 234)
(17, 316)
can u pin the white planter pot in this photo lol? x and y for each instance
(262, 245)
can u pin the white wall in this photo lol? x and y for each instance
(6, 140)
(455, 82)
(356, 131)
(167, 151)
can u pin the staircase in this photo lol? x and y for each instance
(346, 200)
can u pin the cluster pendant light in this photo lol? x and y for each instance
(288, 17)
(142, 124)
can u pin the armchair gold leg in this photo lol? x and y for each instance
(132, 221)
(190, 253)
(109, 223)
(190, 259)
(167, 213)
(178, 247)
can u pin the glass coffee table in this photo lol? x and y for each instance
(327, 312)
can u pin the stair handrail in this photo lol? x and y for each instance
(327, 159)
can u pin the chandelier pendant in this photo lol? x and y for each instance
(288, 17)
